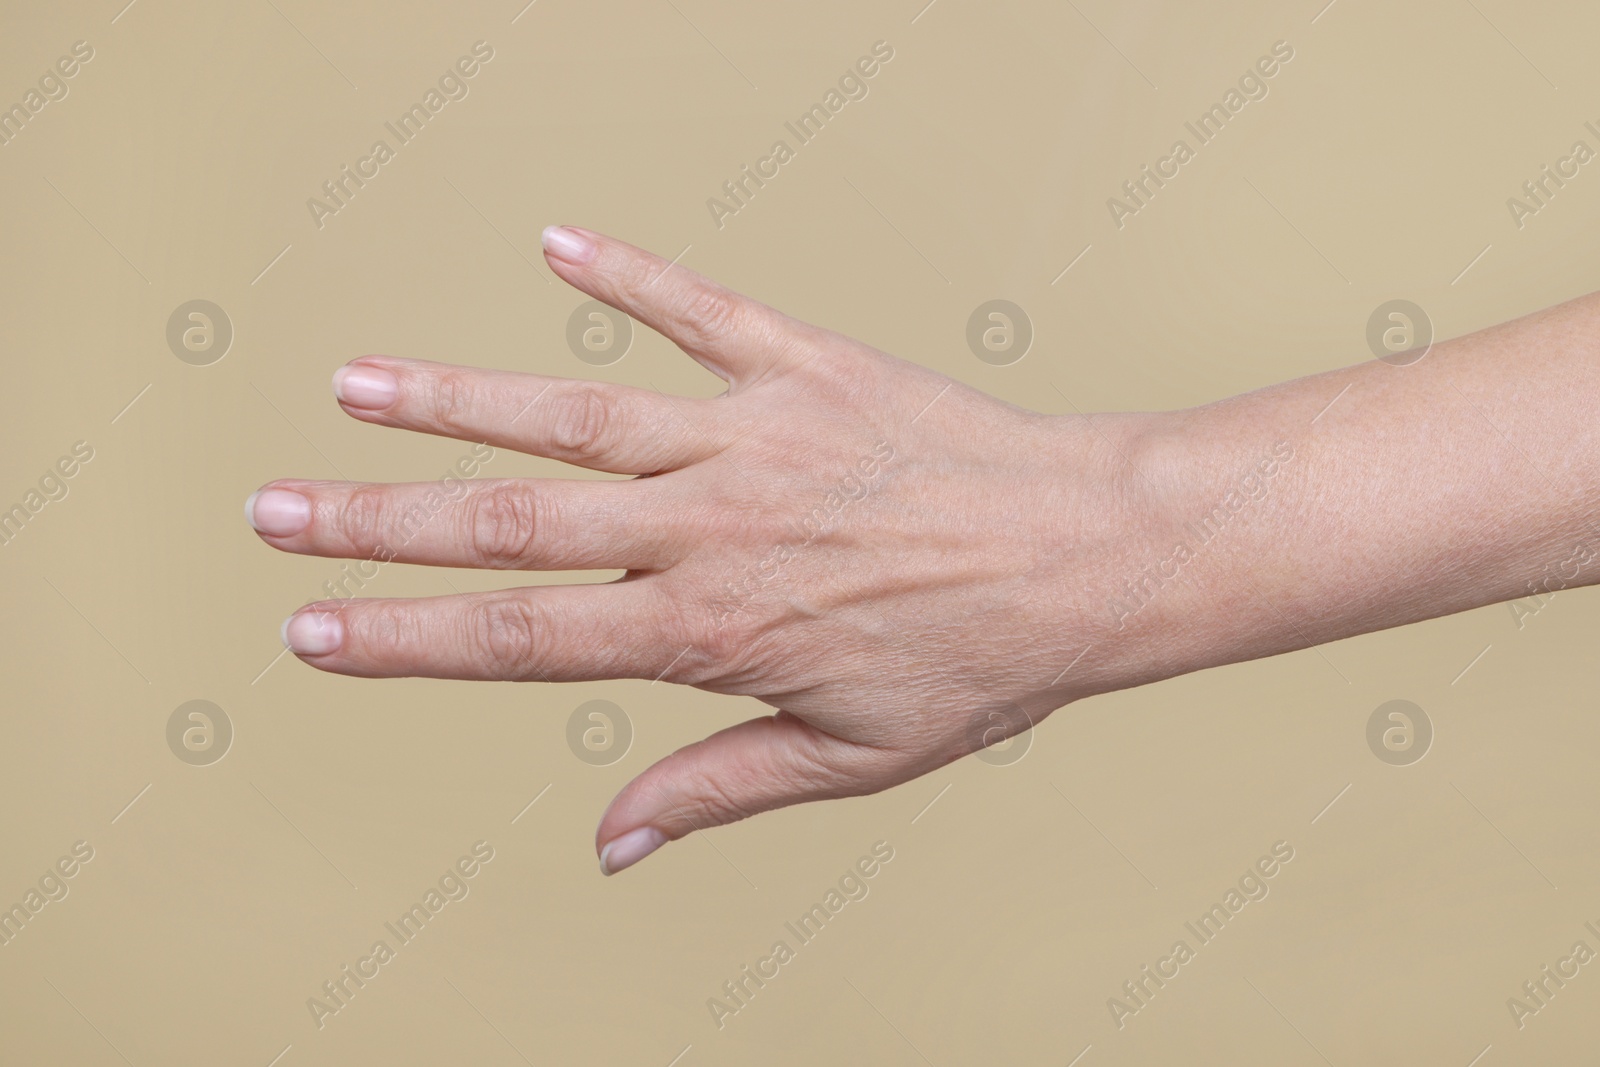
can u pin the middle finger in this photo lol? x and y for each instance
(504, 524)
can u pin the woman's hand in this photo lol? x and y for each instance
(909, 570)
(905, 568)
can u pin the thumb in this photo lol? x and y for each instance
(756, 766)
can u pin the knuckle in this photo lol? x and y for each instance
(503, 524)
(717, 801)
(501, 636)
(585, 423)
(452, 401)
(717, 644)
(709, 314)
(364, 516)
(386, 627)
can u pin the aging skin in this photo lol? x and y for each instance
(906, 569)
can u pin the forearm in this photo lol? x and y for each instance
(1468, 478)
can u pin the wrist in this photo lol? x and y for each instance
(1203, 565)
(1143, 591)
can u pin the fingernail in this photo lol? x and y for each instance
(312, 633)
(278, 512)
(568, 244)
(630, 848)
(364, 387)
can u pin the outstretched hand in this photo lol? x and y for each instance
(903, 567)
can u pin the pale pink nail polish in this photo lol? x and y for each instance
(313, 633)
(568, 244)
(630, 848)
(277, 512)
(368, 388)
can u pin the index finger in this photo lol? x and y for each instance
(738, 339)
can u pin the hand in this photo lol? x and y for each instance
(904, 567)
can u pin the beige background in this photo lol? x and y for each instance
(978, 167)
